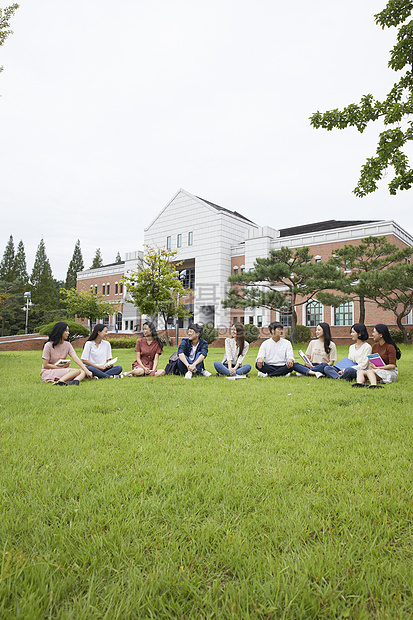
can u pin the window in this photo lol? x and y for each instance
(190, 238)
(96, 289)
(103, 289)
(106, 320)
(119, 321)
(131, 325)
(107, 288)
(343, 315)
(121, 288)
(259, 321)
(317, 258)
(179, 241)
(314, 313)
(235, 319)
(242, 268)
(188, 281)
(126, 325)
(251, 320)
(286, 319)
(241, 319)
(168, 243)
(116, 288)
(235, 271)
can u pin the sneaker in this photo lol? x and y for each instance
(73, 382)
(318, 375)
(371, 387)
(262, 374)
(188, 375)
(59, 383)
(357, 385)
(116, 377)
(96, 378)
(205, 373)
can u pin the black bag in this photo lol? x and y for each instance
(172, 367)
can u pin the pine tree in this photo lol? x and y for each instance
(75, 265)
(97, 261)
(20, 266)
(43, 287)
(7, 265)
(118, 258)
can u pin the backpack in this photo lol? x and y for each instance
(172, 367)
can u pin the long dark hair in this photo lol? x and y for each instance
(96, 330)
(327, 336)
(361, 330)
(154, 333)
(240, 337)
(57, 332)
(385, 334)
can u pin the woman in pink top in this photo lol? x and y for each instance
(55, 363)
(148, 349)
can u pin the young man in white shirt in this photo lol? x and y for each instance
(275, 357)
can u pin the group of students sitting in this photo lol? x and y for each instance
(275, 356)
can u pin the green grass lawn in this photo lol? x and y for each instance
(166, 498)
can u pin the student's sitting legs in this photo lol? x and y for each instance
(349, 374)
(275, 371)
(183, 369)
(110, 372)
(222, 369)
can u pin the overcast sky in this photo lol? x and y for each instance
(107, 109)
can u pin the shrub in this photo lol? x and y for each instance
(123, 343)
(76, 329)
(252, 333)
(396, 334)
(209, 333)
(303, 333)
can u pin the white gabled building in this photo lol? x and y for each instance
(203, 234)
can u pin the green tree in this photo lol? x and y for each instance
(118, 258)
(76, 330)
(20, 266)
(355, 263)
(395, 110)
(5, 16)
(75, 265)
(282, 281)
(97, 260)
(156, 287)
(44, 293)
(392, 289)
(87, 305)
(7, 265)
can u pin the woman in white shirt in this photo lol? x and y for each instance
(358, 352)
(236, 349)
(97, 353)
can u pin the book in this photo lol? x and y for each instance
(111, 362)
(303, 355)
(62, 362)
(376, 359)
(345, 363)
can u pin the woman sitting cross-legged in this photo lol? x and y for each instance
(148, 349)
(97, 354)
(236, 349)
(55, 363)
(389, 352)
(322, 354)
(358, 352)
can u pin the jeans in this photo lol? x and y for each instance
(304, 370)
(349, 374)
(115, 370)
(279, 371)
(183, 369)
(223, 369)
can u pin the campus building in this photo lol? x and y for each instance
(213, 242)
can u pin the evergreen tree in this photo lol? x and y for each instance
(75, 265)
(118, 258)
(20, 266)
(97, 261)
(44, 292)
(7, 265)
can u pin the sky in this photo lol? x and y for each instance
(107, 109)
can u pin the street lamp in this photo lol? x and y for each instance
(181, 277)
(27, 297)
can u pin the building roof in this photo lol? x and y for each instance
(318, 226)
(121, 262)
(226, 210)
